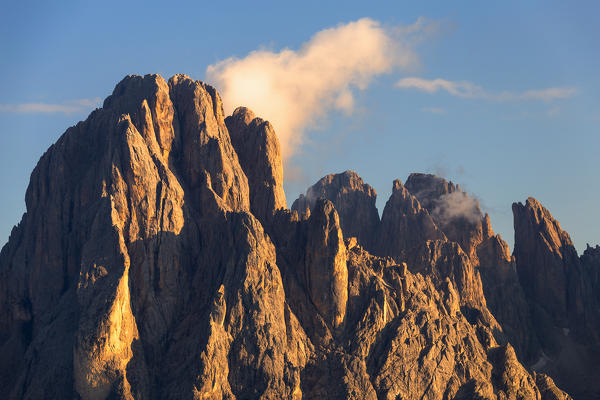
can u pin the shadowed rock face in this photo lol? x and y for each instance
(429, 188)
(455, 212)
(405, 225)
(547, 262)
(504, 295)
(354, 201)
(157, 259)
(590, 260)
(482, 266)
(562, 293)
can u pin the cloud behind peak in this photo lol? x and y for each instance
(294, 88)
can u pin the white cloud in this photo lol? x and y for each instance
(469, 90)
(457, 205)
(294, 88)
(65, 108)
(460, 89)
(549, 94)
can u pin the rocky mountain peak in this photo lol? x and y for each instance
(546, 257)
(405, 225)
(428, 188)
(353, 199)
(559, 287)
(258, 150)
(158, 259)
(533, 216)
(592, 254)
(335, 186)
(135, 87)
(244, 115)
(408, 202)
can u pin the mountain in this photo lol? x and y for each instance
(157, 259)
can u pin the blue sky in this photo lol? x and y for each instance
(58, 59)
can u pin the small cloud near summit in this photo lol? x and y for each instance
(457, 205)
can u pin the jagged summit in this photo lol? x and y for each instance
(405, 225)
(333, 185)
(244, 115)
(561, 289)
(354, 201)
(428, 188)
(158, 259)
(259, 153)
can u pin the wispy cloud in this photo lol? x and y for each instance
(294, 88)
(548, 94)
(469, 90)
(460, 89)
(554, 111)
(67, 107)
(457, 205)
(434, 110)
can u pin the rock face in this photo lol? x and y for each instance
(459, 217)
(504, 294)
(455, 212)
(562, 293)
(325, 264)
(405, 225)
(547, 263)
(157, 259)
(354, 201)
(429, 188)
(138, 233)
(259, 154)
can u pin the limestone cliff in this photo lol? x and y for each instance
(562, 294)
(405, 225)
(258, 150)
(354, 201)
(157, 259)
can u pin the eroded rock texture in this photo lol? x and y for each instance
(157, 259)
(354, 201)
(259, 154)
(562, 293)
(405, 225)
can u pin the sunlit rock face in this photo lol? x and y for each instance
(158, 259)
(259, 154)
